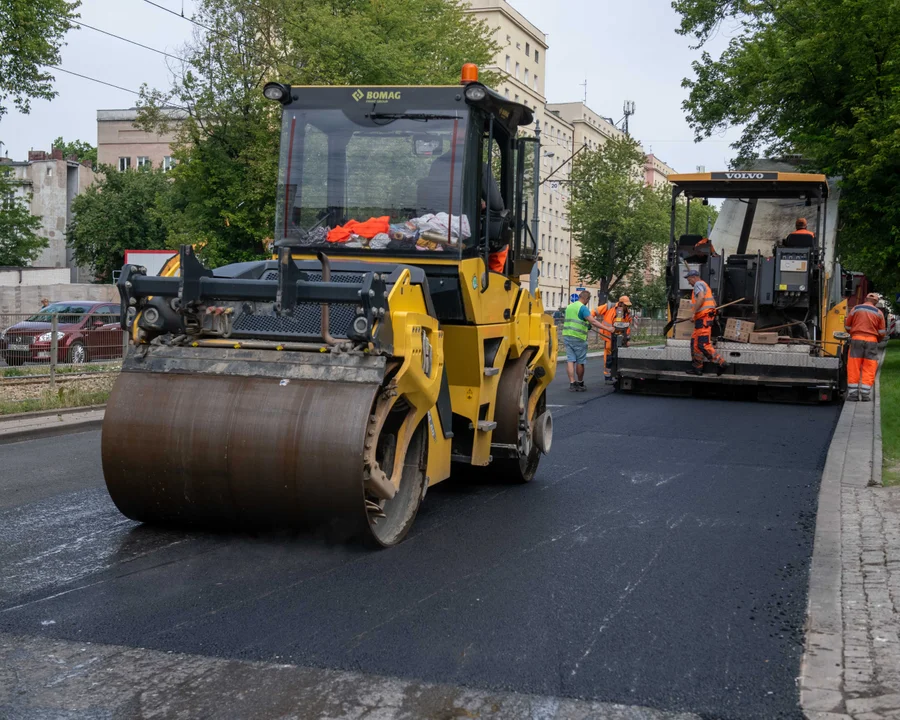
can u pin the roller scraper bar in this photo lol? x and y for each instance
(198, 286)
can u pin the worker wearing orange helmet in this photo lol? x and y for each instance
(801, 227)
(619, 312)
(866, 326)
(704, 306)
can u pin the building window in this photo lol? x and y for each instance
(143, 161)
(506, 92)
(168, 163)
(507, 63)
(124, 164)
(517, 98)
(517, 71)
(528, 49)
(543, 242)
(535, 81)
(537, 56)
(527, 76)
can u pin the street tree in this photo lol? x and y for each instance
(223, 193)
(81, 151)
(817, 80)
(19, 242)
(616, 219)
(120, 212)
(31, 34)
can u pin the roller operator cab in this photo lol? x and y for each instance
(765, 276)
(389, 338)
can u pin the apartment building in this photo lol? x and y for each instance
(52, 182)
(126, 146)
(656, 172)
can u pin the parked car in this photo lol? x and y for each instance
(85, 331)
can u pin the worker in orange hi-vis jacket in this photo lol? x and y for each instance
(801, 227)
(866, 326)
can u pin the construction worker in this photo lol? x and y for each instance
(575, 333)
(801, 227)
(866, 326)
(610, 315)
(704, 306)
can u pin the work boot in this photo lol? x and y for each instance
(694, 371)
(573, 387)
(721, 368)
(852, 397)
(607, 378)
(581, 387)
(865, 398)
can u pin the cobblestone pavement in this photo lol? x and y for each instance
(870, 585)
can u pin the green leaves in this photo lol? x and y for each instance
(82, 151)
(19, 241)
(123, 211)
(614, 216)
(31, 33)
(816, 79)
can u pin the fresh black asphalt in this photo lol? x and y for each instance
(660, 558)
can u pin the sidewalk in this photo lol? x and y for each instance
(851, 668)
(27, 426)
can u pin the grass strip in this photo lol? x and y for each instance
(890, 413)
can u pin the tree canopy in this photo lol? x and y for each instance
(19, 242)
(615, 217)
(819, 80)
(119, 212)
(82, 151)
(224, 185)
(31, 34)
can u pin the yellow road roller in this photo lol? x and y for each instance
(387, 343)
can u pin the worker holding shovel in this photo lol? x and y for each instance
(704, 306)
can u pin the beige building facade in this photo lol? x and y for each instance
(126, 146)
(656, 172)
(49, 183)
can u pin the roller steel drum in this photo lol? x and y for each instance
(237, 451)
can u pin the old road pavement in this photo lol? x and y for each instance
(657, 567)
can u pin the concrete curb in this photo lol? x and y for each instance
(31, 426)
(854, 461)
(821, 670)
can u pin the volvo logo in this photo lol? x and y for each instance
(745, 176)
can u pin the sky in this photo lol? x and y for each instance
(625, 51)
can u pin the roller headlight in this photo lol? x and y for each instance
(475, 93)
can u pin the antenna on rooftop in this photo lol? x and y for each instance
(628, 109)
(584, 85)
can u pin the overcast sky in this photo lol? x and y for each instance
(625, 50)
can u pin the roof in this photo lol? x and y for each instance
(751, 184)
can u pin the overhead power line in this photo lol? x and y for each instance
(179, 15)
(133, 42)
(108, 84)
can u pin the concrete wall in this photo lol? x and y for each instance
(10, 277)
(27, 298)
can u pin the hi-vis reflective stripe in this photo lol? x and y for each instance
(574, 326)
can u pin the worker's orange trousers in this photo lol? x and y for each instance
(862, 366)
(701, 343)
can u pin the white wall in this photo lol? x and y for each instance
(33, 276)
(27, 298)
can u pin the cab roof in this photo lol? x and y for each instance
(409, 98)
(751, 184)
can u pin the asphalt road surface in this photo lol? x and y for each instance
(659, 561)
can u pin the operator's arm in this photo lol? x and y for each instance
(603, 328)
(882, 326)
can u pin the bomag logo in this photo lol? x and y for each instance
(376, 96)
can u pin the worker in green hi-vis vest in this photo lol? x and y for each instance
(575, 332)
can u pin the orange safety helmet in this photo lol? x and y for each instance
(625, 300)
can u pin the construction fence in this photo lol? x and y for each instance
(66, 355)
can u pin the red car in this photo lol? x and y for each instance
(86, 331)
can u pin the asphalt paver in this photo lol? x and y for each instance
(660, 559)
